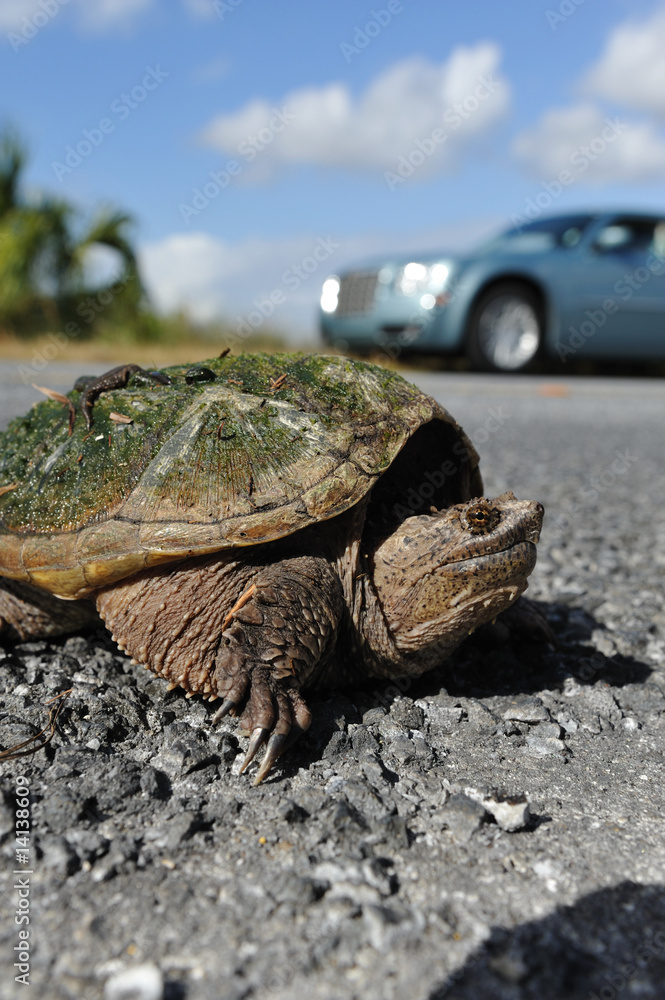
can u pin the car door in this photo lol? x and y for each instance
(617, 293)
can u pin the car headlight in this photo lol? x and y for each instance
(330, 294)
(415, 278)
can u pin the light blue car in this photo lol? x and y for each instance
(579, 285)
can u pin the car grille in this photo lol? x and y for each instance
(356, 293)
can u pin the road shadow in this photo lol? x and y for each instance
(611, 943)
(491, 663)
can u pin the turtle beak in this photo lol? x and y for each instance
(536, 513)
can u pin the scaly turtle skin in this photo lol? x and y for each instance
(257, 525)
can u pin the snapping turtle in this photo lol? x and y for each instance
(255, 526)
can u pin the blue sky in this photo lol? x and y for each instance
(310, 115)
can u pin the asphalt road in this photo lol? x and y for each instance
(377, 862)
(17, 393)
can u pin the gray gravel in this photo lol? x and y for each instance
(494, 830)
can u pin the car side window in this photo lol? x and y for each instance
(632, 235)
(658, 242)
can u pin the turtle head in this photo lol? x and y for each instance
(440, 576)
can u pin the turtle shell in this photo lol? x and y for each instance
(234, 452)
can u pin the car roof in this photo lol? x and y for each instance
(376, 262)
(600, 213)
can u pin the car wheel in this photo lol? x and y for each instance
(506, 329)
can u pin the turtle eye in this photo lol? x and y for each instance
(481, 517)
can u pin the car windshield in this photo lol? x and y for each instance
(541, 234)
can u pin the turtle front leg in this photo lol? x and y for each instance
(277, 635)
(253, 635)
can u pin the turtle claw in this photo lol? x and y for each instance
(257, 738)
(275, 716)
(276, 746)
(227, 705)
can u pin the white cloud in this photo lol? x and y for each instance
(592, 146)
(211, 279)
(102, 265)
(94, 14)
(631, 70)
(328, 127)
(183, 272)
(12, 13)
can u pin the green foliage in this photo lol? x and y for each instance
(43, 251)
(146, 327)
(44, 288)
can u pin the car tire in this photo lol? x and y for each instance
(506, 329)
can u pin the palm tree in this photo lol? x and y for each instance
(119, 297)
(12, 161)
(43, 279)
